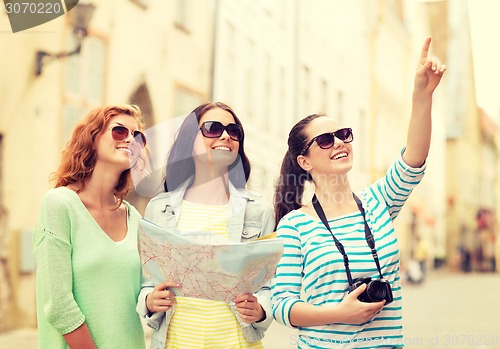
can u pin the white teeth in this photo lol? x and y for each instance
(222, 148)
(338, 156)
(126, 150)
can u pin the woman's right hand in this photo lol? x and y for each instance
(353, 311)
(161, 299)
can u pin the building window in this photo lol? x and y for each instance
(398, 8)
(71, 115)
(268, 92)
(141, 3)
(282, 102)
(340, 107)
(229, 63)
(186, 101)
(2, 166)
(84, 82)
(249, 85)
(142, 98)
(324, 95)
(306, 85)
(182, 15)
(6, 291)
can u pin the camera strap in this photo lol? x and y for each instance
(368, 235)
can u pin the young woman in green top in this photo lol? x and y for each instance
(85, 242)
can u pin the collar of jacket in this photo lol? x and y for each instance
(178, 194)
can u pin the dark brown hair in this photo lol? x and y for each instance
(292, 178)
(180, 163)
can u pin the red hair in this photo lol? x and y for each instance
(79, 157)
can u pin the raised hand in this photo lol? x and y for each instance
(429, 71)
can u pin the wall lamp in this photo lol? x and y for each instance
(79, 18)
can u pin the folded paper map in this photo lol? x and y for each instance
(206, 266)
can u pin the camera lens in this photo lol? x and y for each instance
(376, 291)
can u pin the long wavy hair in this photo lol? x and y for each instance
(180, 164)
(79, 157)
(291, 181)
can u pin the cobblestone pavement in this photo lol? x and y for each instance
(447, 311)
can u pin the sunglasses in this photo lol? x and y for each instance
(326, 140)
(214, 129)
(121, 133)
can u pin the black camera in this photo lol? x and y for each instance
(376, 290)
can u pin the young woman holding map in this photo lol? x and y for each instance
(204, 190)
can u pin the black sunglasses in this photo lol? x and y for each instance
(326, 140)
(214, 129)
(120, 133)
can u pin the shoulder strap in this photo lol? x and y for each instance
(340, 247)
(368, 235)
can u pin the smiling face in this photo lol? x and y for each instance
(337, 159)
(221, 151)
(124, 153)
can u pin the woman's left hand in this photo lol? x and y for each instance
(429, 72)
(249, 308)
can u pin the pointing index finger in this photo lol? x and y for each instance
(425, 50)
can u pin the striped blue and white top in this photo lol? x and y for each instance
(312, 269)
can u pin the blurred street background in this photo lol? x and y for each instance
(447, 311)
(274, 62)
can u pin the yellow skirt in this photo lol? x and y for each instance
(200, 323)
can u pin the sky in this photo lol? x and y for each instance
(485, 28)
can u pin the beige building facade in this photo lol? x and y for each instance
(353, 60)
(151, 52)
(471, 159)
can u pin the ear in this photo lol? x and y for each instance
(304, 163)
